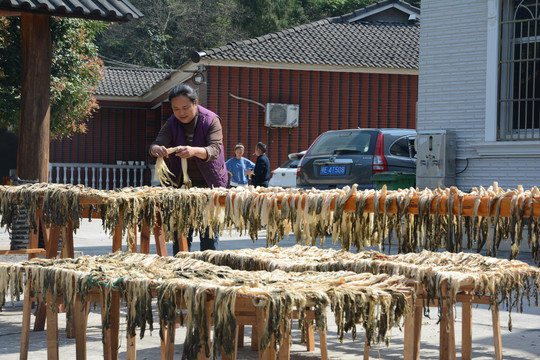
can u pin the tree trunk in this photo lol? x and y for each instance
(34, 120)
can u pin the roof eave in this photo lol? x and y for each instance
(14, 10)
(157, 91)
(310, 67)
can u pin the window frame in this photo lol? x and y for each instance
(517, 104)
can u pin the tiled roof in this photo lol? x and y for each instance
(110, 10)
(130, 82)
(332, 41)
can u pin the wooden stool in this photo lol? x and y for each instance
(80, 317)
(447, 345)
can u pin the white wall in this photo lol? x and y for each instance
(452, 92)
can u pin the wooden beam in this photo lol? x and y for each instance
(35, 117)
(9, 13)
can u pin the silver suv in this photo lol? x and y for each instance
(345, 157)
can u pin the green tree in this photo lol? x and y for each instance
(170, 31)
(75, 73)
(267, 16)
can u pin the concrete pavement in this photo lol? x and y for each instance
(522, 343)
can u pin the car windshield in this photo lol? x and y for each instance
(341, 142)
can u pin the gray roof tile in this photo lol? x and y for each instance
(130, 82)
(110, 10)
(331, 41)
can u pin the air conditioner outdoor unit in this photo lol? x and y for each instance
(281, 115)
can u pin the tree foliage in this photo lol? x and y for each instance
(75, 73)
(171, 30)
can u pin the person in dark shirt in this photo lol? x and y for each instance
(261, 172)
(198, 132)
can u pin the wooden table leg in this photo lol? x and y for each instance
(115, 323)
(285, 348)
(41, 316)
(254, 338)
(117, 236)
(366, 349)
(408, 337)
(52, 328)
(131, 351)
(466, 329)
(45, 230)
(168, 331)
(68, 252)
(202, 351)
(132, 239)
(235, 349)
(323, 345)
(145, 238)
(159, 237)
(25, 331)
(80, 320)
(54, 240)
(110, 339)
(496, 324)
(310, 334)
(240, 337)
(418, 313)
(443, 333)
(452, 335)
(33, 241)
(182, 244)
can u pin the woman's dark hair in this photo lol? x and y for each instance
(262, 147)
(185, 90)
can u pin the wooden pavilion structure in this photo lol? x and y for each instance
(34, 120)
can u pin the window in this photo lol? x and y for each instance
(403, 147)
(519, 71)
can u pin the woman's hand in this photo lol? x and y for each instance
(186, 152)
(159, 151)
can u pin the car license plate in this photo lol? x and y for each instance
(333, 170)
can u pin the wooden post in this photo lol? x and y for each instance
(366, 349)
(240, 337)
(132, 239)
(54, 240)
(323, 345)
(25, 331)
(52, 327)
(117, 236)
(159, 237)
(80, 320)
(466, 329)
(496, 323)
(34, 119)
(115, 323)
(33, 240)
(235, 349)
(310, 335)
(145, 238)
(418, 312)
(68, 250)
(409, 336)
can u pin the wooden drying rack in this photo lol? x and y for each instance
(89, 203)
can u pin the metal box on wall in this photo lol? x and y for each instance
(435, 159)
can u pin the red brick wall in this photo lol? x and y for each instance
(328, 101)
(114, 133)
